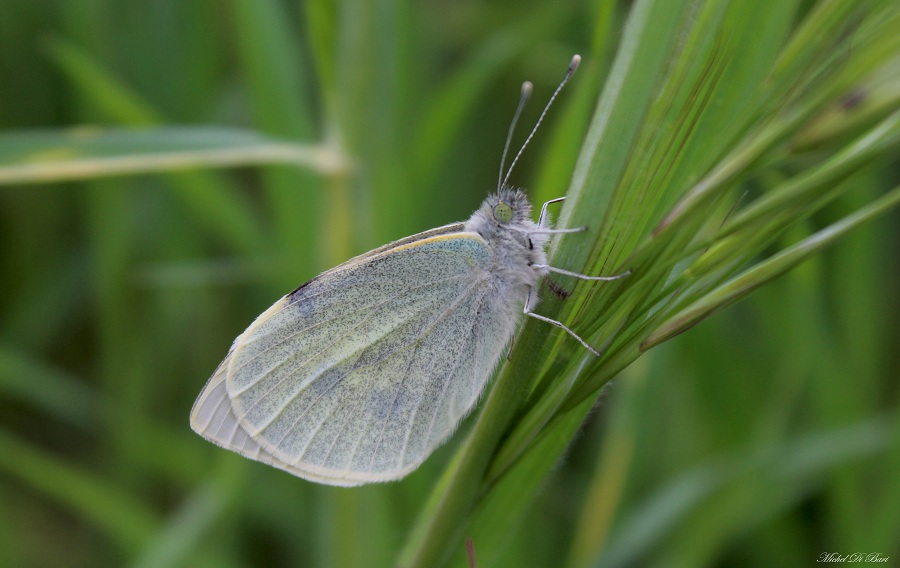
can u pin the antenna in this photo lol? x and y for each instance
(526, 94)
(576, 59)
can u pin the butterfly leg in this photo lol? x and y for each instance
(543, 218)
(558, 324)
(579, 275)
(543, 229)
(542, 224)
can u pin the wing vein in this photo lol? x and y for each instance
(294, 396)
(415, 346)
(322, 322)
(350, 416)
(368, 281)
(405, 446)
(437, 407)
(303, 387)
(387, 418)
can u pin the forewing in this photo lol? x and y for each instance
(359, 374)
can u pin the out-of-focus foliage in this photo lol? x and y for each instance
(715, 146)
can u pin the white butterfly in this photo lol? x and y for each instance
(359, 374)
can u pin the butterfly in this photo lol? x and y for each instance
(359, 374)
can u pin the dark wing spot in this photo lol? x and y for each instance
(290, 296)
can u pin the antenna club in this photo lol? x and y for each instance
(527, 87)
(576, 60)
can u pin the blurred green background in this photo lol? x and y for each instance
(768, 434)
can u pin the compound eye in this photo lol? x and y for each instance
(503, 213)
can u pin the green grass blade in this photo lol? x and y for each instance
(769, 269)
(89, 153)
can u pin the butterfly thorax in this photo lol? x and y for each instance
(504, 221)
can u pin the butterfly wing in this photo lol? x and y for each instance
(359, 374)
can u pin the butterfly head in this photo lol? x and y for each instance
(508, 207)
(504, 217)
